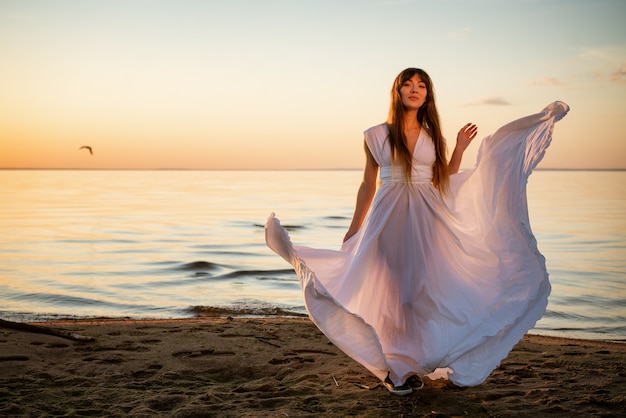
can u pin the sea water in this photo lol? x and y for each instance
(173, 244)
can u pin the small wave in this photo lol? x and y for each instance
(56, 299)
(564, 315)
(198, 265)
(76, 302)
(609, 333)
(288, 276)
(245, 310)
(293, 227)
(580, 317)
(287, 227)
(248, 273)
(45, 317)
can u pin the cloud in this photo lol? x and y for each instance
(547, 81)
(606, 64)
(464, 33)
(619, 75)
(594, 54)
(489, 101)
(615, 75)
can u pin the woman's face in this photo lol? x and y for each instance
(413, 93)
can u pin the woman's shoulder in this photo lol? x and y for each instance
(375, 138)
(377, 130)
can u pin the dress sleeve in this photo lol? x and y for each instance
(375, 139)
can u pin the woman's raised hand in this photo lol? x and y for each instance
(466, 135)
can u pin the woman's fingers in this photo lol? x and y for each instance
(469, 131)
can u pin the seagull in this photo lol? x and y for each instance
(87, 147)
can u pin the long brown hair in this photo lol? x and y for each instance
(428, 117)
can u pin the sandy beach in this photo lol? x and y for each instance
(280, 367)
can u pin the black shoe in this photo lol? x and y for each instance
(414, 382)
(397, 390)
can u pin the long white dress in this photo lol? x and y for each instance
(434, 285)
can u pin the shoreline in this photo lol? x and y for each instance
(277, 366)
(208, 313)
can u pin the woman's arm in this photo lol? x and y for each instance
(365, 194)
(463, 140)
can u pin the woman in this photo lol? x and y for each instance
(412, 108)
(438, 274)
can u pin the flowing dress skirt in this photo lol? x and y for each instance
(431, 285)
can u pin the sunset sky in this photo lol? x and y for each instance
(251, 84)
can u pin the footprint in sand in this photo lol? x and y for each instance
(14, 358)
(145, 374)
(57, 345)
(201, 353)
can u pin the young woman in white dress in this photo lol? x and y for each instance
(439, 273)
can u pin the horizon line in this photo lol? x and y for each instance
(261, 169)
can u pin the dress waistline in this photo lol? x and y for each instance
(394, 175)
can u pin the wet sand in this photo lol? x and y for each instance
(280, 367)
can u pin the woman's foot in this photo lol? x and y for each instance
(414, 382)
(397, 390)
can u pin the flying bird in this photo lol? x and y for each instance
(87, 147)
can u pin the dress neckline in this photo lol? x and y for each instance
(417, 142)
